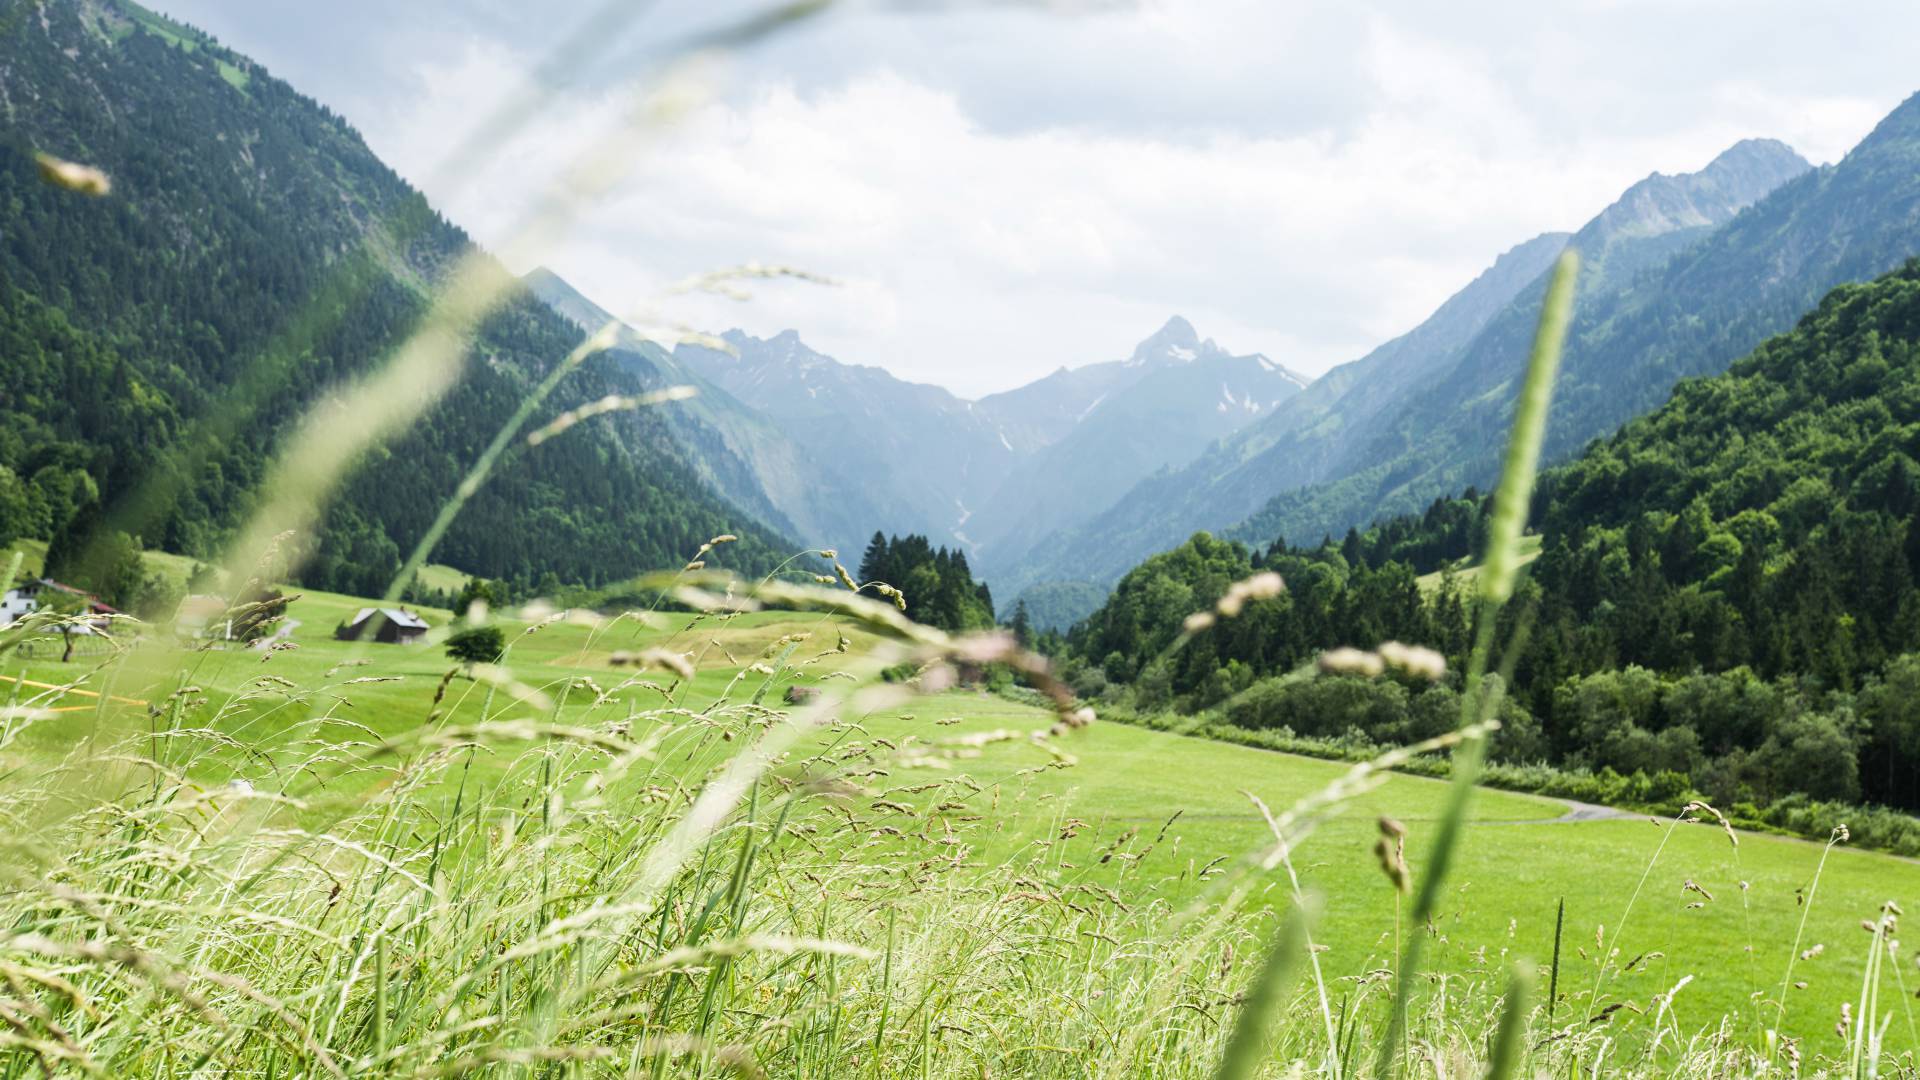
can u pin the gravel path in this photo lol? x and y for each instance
(1576, 812)
(1580, 811)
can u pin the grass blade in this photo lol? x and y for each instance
(1505, 1056)
(1500, 567)
(1510, 499)
(1248, 1043)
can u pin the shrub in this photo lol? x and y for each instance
(477, 645)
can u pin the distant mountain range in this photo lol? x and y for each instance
(834, 452)
(923, 457)
(1072, 479)
(741, 452)
(1695, 312)
(1160, 407)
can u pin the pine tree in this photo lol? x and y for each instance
(1022, 625)
(873, 564)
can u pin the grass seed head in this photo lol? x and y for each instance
(665, 659)
(1391, 850)
(1393, 863)
(1262, 586)
(1414, 660)
(1347, 660)
(82, 179)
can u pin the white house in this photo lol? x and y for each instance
(24, 600)
(203, 617)
(19, 603)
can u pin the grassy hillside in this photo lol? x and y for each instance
(175, 570)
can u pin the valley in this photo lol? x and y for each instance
(416, 660)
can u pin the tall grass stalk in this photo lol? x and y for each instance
(1246, 1048)
(1838, 835)
(1509, 1039)
(477, 475)
(1602, 967)
(1313, 956)
(1499, 568)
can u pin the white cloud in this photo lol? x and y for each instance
(1002, 194)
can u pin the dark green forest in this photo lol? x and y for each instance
(1728, 592)
(1057, 605)
(253, 254)
(937, 583)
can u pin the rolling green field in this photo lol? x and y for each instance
(1174, 808)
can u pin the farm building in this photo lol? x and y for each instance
(17, 604)
(29, 597)
(393, 626)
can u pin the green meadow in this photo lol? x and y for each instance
(1153, 819)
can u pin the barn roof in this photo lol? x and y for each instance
(396, 616)
(94, 604)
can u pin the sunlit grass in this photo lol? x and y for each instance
(1104, 827)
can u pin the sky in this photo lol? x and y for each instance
(1000, 189)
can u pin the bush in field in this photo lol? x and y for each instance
(477, 645)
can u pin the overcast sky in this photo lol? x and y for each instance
(1002, 190)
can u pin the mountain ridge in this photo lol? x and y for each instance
(790, 428)
(1703, 308)
(1333, 430)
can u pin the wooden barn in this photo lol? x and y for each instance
(393, 626)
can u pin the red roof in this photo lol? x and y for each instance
(93, 602)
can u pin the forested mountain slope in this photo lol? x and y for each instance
(1729, 588)
(252, 254)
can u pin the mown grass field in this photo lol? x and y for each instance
(1166, 812)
